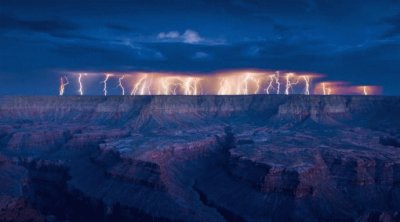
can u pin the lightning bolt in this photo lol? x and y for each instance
(307, 84)
(257, 82)
(289, 84)
(80, 83)
(269, 87)
(104, 82)
(63, 82)
(120, 84)
(278, 84)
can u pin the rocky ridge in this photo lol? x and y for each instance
(207, 158)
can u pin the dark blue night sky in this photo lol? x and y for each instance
(356, 41)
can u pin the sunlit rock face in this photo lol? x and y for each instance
(200, 158)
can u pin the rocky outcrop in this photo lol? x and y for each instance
(207, 158)
(174, 109)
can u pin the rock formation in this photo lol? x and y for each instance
(200, 158)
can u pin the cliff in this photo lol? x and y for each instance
(207, 158)
(128, 109)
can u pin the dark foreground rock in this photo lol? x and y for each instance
(200, 158)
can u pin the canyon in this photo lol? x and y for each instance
(200, 158)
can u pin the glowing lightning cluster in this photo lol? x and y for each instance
(239, 84)
(142, 87)
(290, 80)
(190, 86)
(243, 82)
(148, 84)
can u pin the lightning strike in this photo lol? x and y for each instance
(278, 84)
(257, 82)
(307, 84)
(271, 81)
(120, 85)
(104, 82)
(80, 84)
(289, 84)
(63, 82)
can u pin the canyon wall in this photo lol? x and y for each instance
(200, 158)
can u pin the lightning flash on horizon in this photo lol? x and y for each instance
(241, 82)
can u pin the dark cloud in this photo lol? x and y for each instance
(119, 27)
(54, 27)
(394, 23)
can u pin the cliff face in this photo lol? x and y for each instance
(118, 109)
(207, 158)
